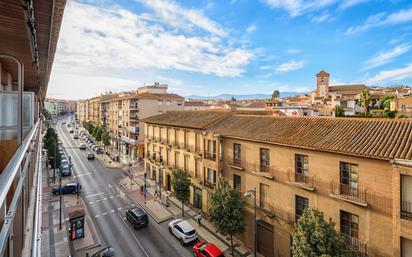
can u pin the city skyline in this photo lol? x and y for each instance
(208, 48)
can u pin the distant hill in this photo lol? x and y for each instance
(241, 97)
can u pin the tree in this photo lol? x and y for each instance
(275, 94)
(227, 210)
(313, 237)
(46, 114)
(99, 134)
(181, 186)
(50, 141)
(339, 112)
(365, 100)
(94, 131)
(105, 138)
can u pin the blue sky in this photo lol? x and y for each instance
(210, 47)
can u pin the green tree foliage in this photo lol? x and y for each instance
(98, 135)
(181, 186)
(365, 100)
(275, 94)
(385, 103)
(339, 112)
(227, 210)
(50, 141)
(46, 114)
(105, 137)
(94, 132)
(313, 237)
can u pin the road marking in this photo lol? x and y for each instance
(97, 201)
(111, 197)
(101, 193)
(111, 210)
(119, 209)
(132, 205)
(84, 174)
(104, 213)
(90, 202)
(97, 216)
(105, 198)
(131, 232)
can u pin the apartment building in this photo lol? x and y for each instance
(29, 33)
(59, 106)
(357, 171)
(120, 114)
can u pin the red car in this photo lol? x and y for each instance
(204, 249)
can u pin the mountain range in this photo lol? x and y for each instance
(240, 97)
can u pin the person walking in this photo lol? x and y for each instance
(199, 218)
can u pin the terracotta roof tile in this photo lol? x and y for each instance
(356, 88)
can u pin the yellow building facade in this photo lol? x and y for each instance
(356, 171)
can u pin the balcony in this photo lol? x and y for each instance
(262, 170)
(301, 180)
(128, 140)
(406, 210)
(133, 129)
(134, 117)
(236, 164)
(210, 184)
(347, 193)
(360, 248)
(272, 210)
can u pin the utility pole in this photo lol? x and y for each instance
(54, 164)
(145, 188)
(61, 198)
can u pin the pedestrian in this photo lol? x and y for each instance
(141, 189)
(199, 218)
(156, 193)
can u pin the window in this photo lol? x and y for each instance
(210, 178)
(301, 203)
(211, 149)
(236, 154)
(348, 179)
(237, 181)
(197, 168)
(186, 163)
(167, 156)
(167, 135)
(186, 139)
(301, 167)
(349, 225)
(176, 159)
(168, 102)
(179, 103)
(264, 160)
(160, 134)
(264, 196)
(160, 102)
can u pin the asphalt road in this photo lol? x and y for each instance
(107, 208)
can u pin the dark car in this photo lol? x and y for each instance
(76, 136)
(204, 249)
(137, 217)
(70, 188)
(90, 156)
(99, 150)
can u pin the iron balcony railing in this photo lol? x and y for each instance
(210, 156)
(356, 194)
(210, 184)
(406, 210)
(237, 162)
(360, 248)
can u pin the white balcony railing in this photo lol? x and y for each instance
(134, 129)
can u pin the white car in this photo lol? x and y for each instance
(183, 231)
(82, 146)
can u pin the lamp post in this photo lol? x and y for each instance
(248, 194)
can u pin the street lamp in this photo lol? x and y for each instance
(248, 194)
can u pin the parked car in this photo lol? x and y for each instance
(65, 170)
(68, 125)
(71, 131)
(137, 217)
(64, 162)
(70, 188)
(183, 231)
(82, 146)
(90, 156)
(99, 150)
(76, 136)
(204, 249)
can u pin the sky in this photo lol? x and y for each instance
(209, 47)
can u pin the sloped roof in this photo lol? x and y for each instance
(188, 119)
(322, 72)
(355, 88)
(373, 138)
(160, 96)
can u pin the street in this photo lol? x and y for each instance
(107, 205)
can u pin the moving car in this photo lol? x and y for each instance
(137, 217)
(204, 249)
(82, 146)
(76, 136)
(70, 188)
(90, 156)
(183, 231)
(71, 131)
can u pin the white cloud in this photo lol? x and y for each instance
(265, 67)
(391, 75)
(290, 66)
(325, 16)
(251, 28)
(100, 40)
(298, 7)
(350, 3)
(264, 76)
(293, 51)
(382, 19)
(386, 57)
(182, 18)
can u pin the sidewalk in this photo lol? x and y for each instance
(160, 213)
(55, 241)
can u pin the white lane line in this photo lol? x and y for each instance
(90, 202)
(111, 197)
(104, 199)
(131, 232)
(84, 174)
(104, 213)
(111, 210)
(132, 205)
(92, 195)
(97, 216)
(97, 201)
(119, 209)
